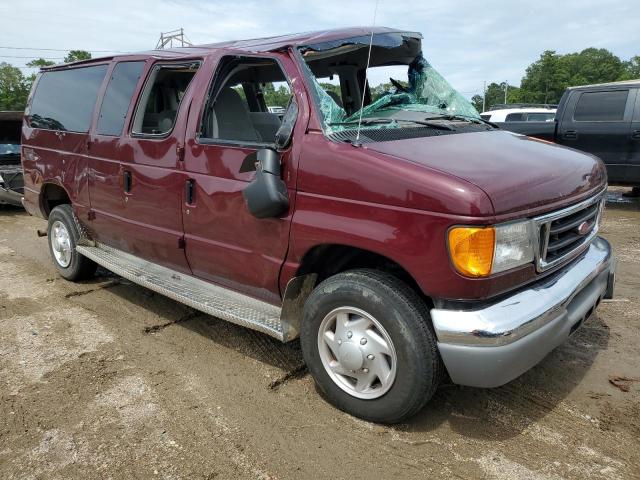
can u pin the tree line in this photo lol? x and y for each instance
(15, 85)
(546, 79)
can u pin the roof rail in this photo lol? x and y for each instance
(502, 106)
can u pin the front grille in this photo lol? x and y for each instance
(565, 233)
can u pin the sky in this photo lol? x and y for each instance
(468, 41)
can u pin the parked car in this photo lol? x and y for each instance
(520, 113)
(603, 120)
(11, 185)
(403, 243)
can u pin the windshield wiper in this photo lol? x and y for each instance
(426, 123)
(385, 121)
(467, 119)
(365, 121)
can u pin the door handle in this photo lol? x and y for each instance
(635, 134)
(570, 134)
(127, 181)
(189, 191)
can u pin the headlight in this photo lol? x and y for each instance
(514, 246)
(482, 251)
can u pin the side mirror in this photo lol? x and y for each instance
(266, 196)
(285, 132)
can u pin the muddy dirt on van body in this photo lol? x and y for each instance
(105, 379)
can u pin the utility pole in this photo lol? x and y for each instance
(546, 91)
(167, 39)
(484, 96)
(506, 89)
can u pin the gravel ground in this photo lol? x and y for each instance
(105, 379)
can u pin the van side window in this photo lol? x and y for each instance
(117, 98)
(247, 101)
(161, 97)
(607, 106)
(65, 99)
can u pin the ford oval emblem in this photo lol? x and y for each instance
(584, 228)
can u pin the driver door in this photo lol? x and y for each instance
(225, 244)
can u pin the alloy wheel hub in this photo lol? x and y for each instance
(357, 352)
(61, 244)
(350, 356)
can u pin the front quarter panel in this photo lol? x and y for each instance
(402, 211)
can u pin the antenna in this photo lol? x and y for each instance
(366, 72)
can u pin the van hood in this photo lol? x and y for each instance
(518, 173)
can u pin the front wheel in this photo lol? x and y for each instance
(62, 234)
(367, 340)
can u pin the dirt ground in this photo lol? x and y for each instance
(105, 379)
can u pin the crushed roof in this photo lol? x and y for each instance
(254, 45)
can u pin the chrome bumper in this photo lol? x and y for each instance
(493, 345)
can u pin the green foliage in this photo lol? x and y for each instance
(276, 97)
(476, 101)
(379, 90)
(76, 55)
(14, 88)
(495, 94)
(40, 62)
(547, 78)
(330, 87)
(632, 68)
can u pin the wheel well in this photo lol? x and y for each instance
(328, 260)
(53, 195)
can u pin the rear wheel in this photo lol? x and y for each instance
(62, 235)
(367, 340)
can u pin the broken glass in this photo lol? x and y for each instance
(424, 90)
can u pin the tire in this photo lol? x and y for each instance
(62, 236)
(405, 321)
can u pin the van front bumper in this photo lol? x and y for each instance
(492, 345)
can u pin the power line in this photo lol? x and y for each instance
(31, 58)
(60, 49)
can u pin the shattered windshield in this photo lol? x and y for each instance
(402, 88)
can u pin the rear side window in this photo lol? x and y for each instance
(64, 99)
(601, 106)
(117, 98)
(515, 117)
(540, 117)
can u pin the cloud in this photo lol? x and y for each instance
(468, 41)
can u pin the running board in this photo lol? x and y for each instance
(204, 296)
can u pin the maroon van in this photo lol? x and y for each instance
(267, 182)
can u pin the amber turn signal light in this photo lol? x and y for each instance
(471, 250)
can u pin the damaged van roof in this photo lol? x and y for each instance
(308, 38)
(266, 44)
